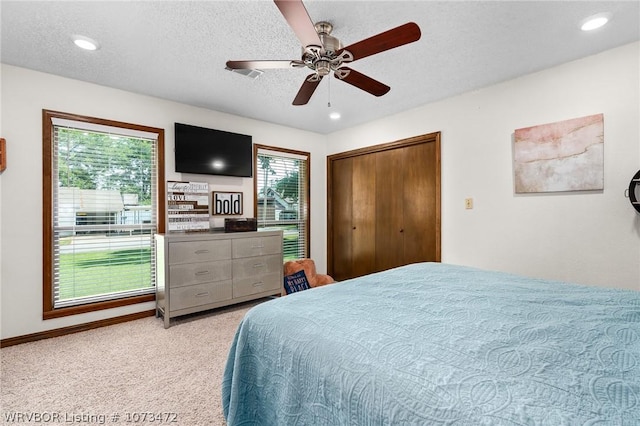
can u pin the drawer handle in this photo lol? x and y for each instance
(258, 265)
(204, 294)
(202, 273)
(203, 251)
(258, 284)
(260, 246)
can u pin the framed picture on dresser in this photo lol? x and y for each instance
(227, 203)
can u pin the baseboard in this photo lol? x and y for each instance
(73, 329)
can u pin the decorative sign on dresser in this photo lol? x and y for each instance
(205, 270)
(188, 206)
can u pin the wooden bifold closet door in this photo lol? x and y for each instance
(384, 206)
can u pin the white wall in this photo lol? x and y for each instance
(591, 238)
(584, 237)
(24, 94)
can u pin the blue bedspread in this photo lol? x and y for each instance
(438, 344)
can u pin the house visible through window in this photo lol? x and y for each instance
(282, 196)
(102, 180)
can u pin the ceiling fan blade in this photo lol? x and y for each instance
(263, 65)
(298, 19)
(399, 36)
(306, 91)
(361, 81)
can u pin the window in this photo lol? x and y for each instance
(102, 184)
(281, 188)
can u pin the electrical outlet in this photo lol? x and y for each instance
(468, 203)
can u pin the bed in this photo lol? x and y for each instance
(439, 344)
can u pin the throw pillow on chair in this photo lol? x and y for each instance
(309, 268)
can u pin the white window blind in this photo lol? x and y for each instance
(282, 198)
(104, 198)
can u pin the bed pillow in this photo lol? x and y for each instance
(296, 282)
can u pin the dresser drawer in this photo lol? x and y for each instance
(199, 251)
(200, 294)
(202, 272)
(256, 266)
(252, 285)
(257, 246)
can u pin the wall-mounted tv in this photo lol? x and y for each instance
(212, 152)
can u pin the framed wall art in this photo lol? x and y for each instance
(563, 156)
(227, 203)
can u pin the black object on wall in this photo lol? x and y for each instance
(212, 152)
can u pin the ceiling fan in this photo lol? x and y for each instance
(323, 53)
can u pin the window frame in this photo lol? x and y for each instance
(307, 221)
(48, 145)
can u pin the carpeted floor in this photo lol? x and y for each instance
(131, 373)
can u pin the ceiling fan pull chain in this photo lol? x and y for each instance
(329, 91)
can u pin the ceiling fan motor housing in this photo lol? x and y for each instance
(330, 43)
(323, 59)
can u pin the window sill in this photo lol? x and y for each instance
(92, 307)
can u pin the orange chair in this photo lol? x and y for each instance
(309, 267)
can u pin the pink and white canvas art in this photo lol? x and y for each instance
(563, 156)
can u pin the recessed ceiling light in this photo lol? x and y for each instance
(334, 115)
(595, 22)
(85, 42)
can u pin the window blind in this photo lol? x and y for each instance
(104, 200)
(282, 198)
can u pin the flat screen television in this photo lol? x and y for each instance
(212, 152)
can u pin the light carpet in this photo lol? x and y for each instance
(131, 373)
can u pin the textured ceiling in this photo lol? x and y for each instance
(177, 50)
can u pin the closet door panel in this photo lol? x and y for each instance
(341, 210)
(421, 202)
(363, 215)
(384, 206)
(389, 206)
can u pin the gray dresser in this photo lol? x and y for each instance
(205, 270)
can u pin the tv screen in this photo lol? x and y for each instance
(212, 152)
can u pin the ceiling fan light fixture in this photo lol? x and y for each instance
(323, 67)
(595, 21)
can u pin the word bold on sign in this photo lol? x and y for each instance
(227, 203)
